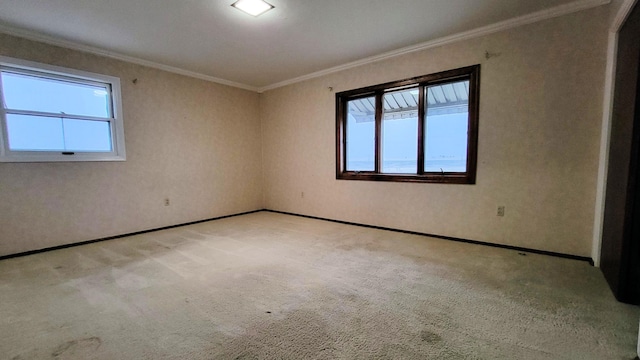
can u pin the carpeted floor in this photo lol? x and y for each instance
(272, 286)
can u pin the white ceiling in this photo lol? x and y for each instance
(297, 38)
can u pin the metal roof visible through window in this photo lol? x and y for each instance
(442, 99)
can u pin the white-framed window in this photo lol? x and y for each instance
(51, 113)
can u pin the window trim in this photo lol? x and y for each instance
(472, 73)
(32, 68)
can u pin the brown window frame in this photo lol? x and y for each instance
(471, 73)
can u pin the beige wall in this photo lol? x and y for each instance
(195, 142)
(200, 144)
(540, 122)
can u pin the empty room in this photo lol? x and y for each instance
(222, 179)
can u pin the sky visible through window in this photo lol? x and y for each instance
(45, 114)
(446, 144)
(445, 133)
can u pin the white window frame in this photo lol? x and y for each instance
(56, 72)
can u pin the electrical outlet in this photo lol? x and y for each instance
(167, 202)
(500, 210)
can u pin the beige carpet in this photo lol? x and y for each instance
(271, 286)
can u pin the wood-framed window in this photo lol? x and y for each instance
(423, 129)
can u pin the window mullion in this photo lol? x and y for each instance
(378, 145)
(422, 110)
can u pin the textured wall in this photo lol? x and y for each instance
(539, 134)
(193, 141)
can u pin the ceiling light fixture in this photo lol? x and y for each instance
(253, 7)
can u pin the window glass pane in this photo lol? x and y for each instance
(33, 93)
(40, 133)
(85, 135)
(400, 132)
(361, 134)
(34, 133)
(446, 127)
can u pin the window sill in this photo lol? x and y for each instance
(60, 158)
(446, 178)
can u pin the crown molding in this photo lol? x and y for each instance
(36, 36)
(553, 12)
(576, 6)
(622, 14)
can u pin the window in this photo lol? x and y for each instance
(51, 113)
(423, 129)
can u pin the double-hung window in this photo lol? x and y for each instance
(423, 129)
(51, 113)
